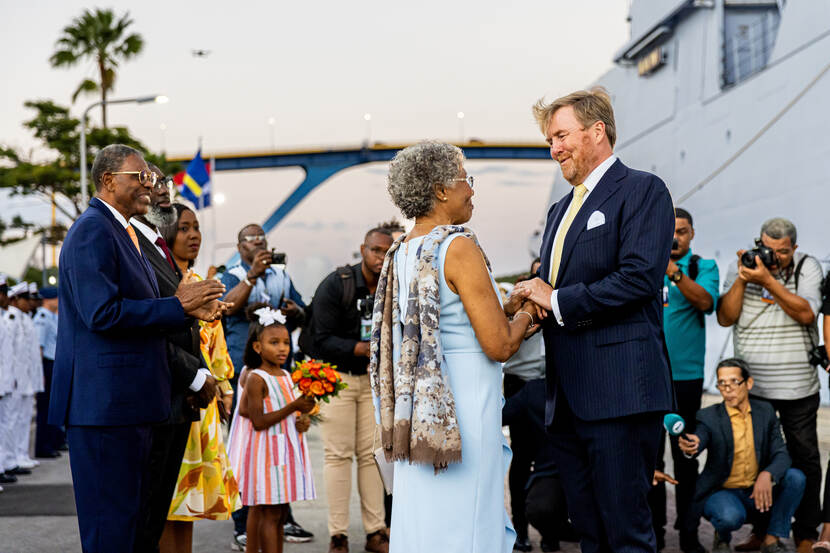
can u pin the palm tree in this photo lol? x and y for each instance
(97, 35)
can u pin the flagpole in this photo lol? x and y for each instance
(213, 207)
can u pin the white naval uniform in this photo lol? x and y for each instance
(6, 388)
(8, 454)
(26, 363)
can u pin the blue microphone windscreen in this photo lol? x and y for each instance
(674, 424)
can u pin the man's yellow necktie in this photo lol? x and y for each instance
(133, 237)
(576, 203)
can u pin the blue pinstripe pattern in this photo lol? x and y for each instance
(608, 377)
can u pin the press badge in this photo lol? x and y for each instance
(665, 296)
(365, 330)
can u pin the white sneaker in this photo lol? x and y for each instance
(1, 488)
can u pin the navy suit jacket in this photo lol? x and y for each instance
(609, 358)
(111, 359)
(714, 428)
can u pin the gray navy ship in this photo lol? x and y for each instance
(727, 101)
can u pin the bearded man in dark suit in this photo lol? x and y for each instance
(192, 385)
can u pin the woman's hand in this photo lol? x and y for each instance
(302, 423)
(227, 401)
(514, 301)
(304, 404)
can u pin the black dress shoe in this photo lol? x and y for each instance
(549, 546)
(47, 455)
(522, 544)
(690, 544)
(7, 478)
(20, 471)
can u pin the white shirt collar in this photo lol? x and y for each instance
(149, 234)
(118, 217)
(599, 171)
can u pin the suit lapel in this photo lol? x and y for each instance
(605, 188)
(555, 217)
(158, 263)
(758, 427)
(729, 437)
(126, 242)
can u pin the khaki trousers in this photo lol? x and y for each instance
(348, 428)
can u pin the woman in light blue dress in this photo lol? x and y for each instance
(435, 365)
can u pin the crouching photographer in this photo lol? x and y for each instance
(773, 295)
(339, 332)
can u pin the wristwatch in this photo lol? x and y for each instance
(677, 276)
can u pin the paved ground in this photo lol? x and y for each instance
(59, 534)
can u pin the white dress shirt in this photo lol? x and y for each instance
(590, 183)
(150, 234)
(202, 374)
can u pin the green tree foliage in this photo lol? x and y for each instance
(99, 36)
(58, 133)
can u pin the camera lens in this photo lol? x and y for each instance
(748, 259)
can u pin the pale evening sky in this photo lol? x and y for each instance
(316, 68)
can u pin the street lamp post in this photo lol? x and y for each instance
(138, 100)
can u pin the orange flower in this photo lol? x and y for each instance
(317, 388)
(296, 375)
(331, 376)
(305, 384)
(328, 386)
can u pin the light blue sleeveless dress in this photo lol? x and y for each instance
(460, 510)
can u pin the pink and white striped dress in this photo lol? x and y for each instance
(272, 466)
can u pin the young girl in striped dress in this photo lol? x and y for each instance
(269, 453)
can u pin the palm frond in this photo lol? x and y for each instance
(87, 86)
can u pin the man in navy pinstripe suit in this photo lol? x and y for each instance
(604, 252)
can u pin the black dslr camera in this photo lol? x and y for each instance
(365, 305)
(818, 357)
(766, 254)
(277, 258)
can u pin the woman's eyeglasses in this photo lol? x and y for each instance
(470, 180)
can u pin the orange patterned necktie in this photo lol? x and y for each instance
(133, 237)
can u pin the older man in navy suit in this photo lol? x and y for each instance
(604, 253)
(110, 380)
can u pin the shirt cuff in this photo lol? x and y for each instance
(554, 305)
(199, 380)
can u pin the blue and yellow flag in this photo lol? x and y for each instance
(194, 182)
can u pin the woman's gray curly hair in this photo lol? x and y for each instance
(415, 170)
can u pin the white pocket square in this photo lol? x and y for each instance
(596, 219)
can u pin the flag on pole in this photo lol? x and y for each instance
(194, 182)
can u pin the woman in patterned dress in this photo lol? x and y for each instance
(206, 487)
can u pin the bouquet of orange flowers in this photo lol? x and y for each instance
(317, 379)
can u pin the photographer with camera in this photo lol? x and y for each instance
(340, 329)
(260, 276)
(690, 288)
(772, 298)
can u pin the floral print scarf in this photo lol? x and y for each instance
(417, 409)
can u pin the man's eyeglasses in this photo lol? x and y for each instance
(163, 182)
(729, 384)
(470, 180)
(254, 238)
(143, 176)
